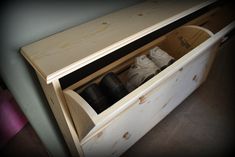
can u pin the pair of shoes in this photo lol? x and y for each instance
(145, 67)
(141, 71)
(160, 57)
(109, 91)
(95, 97)
(113, 87)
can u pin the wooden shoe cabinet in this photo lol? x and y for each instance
(190, 31)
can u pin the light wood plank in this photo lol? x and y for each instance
(65, 52)
(81, 112)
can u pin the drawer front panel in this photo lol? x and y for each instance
(128, 127)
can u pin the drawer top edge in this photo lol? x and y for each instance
(67, 51)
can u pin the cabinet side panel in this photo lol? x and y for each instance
(82, 114)
(59, 108)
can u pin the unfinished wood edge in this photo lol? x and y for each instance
(57, 103)
(82, 113)
(119, 62)
(81, 102)
(200, 28)
(210, 61)
(39, 73)
(193, 27)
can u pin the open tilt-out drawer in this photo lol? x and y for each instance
(193, 42)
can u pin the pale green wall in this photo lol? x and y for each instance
(25, 22)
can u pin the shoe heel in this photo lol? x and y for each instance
(113, 87)
(95, 97)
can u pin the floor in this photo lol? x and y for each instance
(203, 125)
(25, 144)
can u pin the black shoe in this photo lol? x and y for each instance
(95, 97)
(113, 87)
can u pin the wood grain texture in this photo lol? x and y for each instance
(81, 112)
(65, 52)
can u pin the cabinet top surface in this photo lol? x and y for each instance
(67, 51)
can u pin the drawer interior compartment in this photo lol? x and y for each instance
(86, 120)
